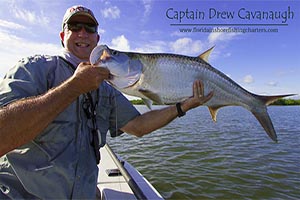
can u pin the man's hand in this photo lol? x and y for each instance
(198, 97)
(88, 77)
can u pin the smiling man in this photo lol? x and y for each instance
(81, 21)
(55, 112)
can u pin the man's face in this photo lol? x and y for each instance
(80, 43)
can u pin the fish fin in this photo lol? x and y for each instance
(213, 112)
(263, 117)
(204, 56)
(151, 95)
(267, 100)
(261, 114)
(148, 103)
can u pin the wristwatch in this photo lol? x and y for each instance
(179, 110)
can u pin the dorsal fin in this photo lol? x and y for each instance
(204, 56)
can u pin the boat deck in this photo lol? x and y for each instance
(114, 184)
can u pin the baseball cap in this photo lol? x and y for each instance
(78, 10)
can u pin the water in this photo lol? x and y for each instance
(195, 158)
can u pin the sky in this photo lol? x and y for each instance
(256, 42)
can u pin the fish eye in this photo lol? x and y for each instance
(114, 53)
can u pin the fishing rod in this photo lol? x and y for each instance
(128, 178)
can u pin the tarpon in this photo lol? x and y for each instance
(168, 79)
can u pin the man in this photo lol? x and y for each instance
(56, 111)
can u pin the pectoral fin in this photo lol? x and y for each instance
(148, 103)
(151, 95)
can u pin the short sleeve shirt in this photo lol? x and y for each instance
(60, 162)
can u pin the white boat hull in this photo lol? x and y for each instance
(115, 185)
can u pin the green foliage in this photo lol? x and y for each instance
(288, 102)
(140, 102)
(137, 102)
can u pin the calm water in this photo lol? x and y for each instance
(195, 158)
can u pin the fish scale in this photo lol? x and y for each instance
(168, 79)
(194, 69)
(163, 68)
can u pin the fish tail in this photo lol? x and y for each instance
(263, 117)
(267, 100)
(261, 114)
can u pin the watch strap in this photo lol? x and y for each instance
(179, 110)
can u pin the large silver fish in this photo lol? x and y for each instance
(168, 79)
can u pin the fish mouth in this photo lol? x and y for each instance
(96, 56)
(124, 72)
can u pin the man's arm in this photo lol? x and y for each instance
(156, 119)
(22, 120)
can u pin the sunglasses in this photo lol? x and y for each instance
(76, 27)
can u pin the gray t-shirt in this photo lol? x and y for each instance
(60, 162)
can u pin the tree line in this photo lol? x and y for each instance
(279, 102)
